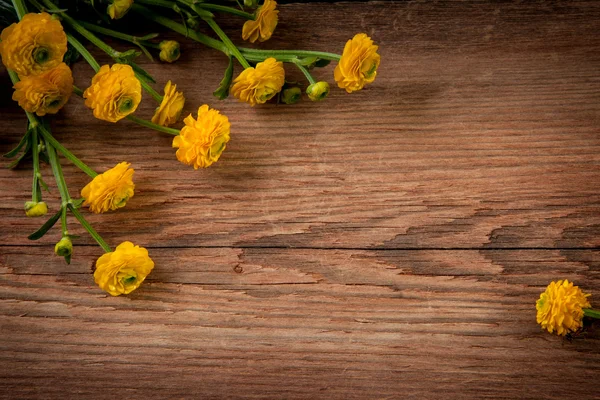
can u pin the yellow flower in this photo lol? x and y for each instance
(123, 270)
(560, 307)
(358, 65)
(201, 141)
(45, 93)
(318, 91)
(114, 94)
(118, 8)
(35, 209)
(262, 27)
(257, 85)
(110, 190)
(169, 51)
(170, 108)
(34, 45)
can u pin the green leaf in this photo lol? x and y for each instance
(142, 73)
(22, 143)
(43, 184)
(68, 259)
(23, 156)
(223, 90)
(77, 203)
(46, 227)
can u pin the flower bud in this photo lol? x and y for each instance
(169, 51)
(118, 8)
(35, 209)
(318, 91)
(251, 3)
(64, 247)
(291, 95)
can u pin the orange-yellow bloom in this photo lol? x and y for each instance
(262, 27)
(358, 65)
(201, 141)
(123, 270)
(45, 93)
(34, 45)
(560, 307)
(110, 190)
(114, 94)
(170, 108)
(118, 8)
(257, 85)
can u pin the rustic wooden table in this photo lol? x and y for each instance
(386, 244)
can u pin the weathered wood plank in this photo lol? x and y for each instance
(283, 323)
(481, 130)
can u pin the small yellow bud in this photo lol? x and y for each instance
(169, 51)
(64, 247)
(35, 209)
(118, 8)
(318, 91)
(291, 95)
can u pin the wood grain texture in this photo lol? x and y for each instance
(385, 244)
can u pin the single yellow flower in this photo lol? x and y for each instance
(35, 209)
(114, 94)
(560, 307)
(123, 270)
(358, 65)
(318, 91)
(109, 190)
(257, 85)
(169, 51)
(170, 108)
(118, 8)
(45, 93)
(34, 45)
(262, 27)
(201, 141)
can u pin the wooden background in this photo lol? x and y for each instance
(386, 244)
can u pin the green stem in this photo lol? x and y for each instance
(589, 312)
(230, 10)
(70, 156)
(109, 32)
(230, 46)
(36, 194)
(151, 90)
(89, 228)
(307, 74)
(20, 8)
(152, 125)
(179, 28)
(77, 91)
(58, 175)
(84, 52)
(63, 221)
(287, 55)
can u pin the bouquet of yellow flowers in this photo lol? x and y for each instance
(46, 38)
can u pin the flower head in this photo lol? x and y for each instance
(318, 91)
(114, 94)
(109, 190)
(560, 307)
(358, 65)
(201, 141)
(35, 209)
(169, 51)
(291, 95)
(123, 270)
(45, 93)
(257, 85)
(118, 8)
(34, 45)
(170, 108)
(64, 247)
(262, 27)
